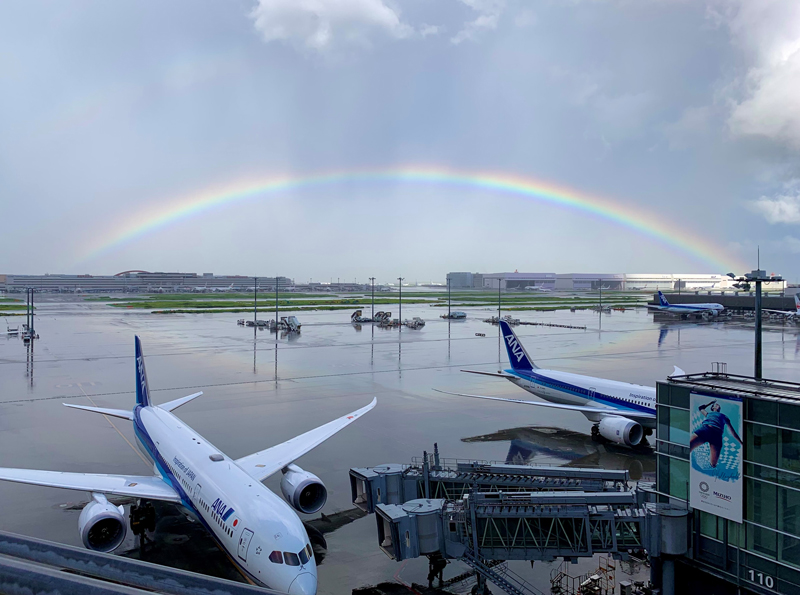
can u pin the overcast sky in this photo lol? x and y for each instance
(113, 112)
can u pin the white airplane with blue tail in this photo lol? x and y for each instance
(623, 413)
(709, 309)
(259, 531)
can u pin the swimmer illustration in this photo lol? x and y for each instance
(711, 430)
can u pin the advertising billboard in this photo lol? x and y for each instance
(715, 475)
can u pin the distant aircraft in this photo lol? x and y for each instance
(537, 288)
(223, 289)
(711, 309)
(788, 314)
(623, 413)
(259, 532)
(203, 289)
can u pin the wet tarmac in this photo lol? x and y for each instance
(259, 392)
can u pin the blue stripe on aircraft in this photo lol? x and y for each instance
(615, 402)
(227, 514)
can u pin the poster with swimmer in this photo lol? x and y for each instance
(715, 444)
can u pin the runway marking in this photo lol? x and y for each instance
(111, 423)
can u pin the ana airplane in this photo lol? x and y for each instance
(711, 309)
(538, 288)
(261, 533)
(623, 413)
(788, 314)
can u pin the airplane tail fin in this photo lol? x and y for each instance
(142, 390)
(661, 299)
(517, 356)
(797, 302)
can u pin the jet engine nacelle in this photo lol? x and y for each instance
(303, 490)
(102, 525)
(621, 430)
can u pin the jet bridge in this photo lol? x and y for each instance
(449, 479)
(482, 513)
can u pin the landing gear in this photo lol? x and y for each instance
(142, 520)
(596, 433)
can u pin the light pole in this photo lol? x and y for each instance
(372, 279)
(758, 277)
(448, 297)
(255, 301)
(400, 280)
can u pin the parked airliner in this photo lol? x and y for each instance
(712, 309)
(788, 314)
(623, 413)
(261, 533)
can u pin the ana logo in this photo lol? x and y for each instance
(222, 509)
(515, 347)
(142, 381)
(703, 487)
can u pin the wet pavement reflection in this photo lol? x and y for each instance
(261, 389)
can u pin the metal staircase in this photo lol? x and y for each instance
(500, 575)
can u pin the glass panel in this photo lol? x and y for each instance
(662, 431)
(679, 427)
(765, 412)
(762, 445)
(790, 451)
(790, 550)
(679, 479)
(789, 511)
(662, 393)
(708, 525)
(662, 483)
(735, 534)
(303, 555)
(789, 416)
(762, 502)
(762, 541)
(291, 559)
(680, 396)
(276, 557)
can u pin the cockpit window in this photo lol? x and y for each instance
(291, 559)
(276, 557)
(303, 555)
(310, 551)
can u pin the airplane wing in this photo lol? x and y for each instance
(581, 408)
(495, 374)
(136, 486)
(264, 463)
(123, 413)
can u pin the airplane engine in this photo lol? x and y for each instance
(621, 430)
(102, 525)
(303, 490)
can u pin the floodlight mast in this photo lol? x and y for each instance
(757, 276)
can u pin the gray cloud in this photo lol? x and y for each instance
(783, 208)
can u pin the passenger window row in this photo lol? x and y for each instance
(291, 559)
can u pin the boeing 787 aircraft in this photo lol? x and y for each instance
(261, 533)
(622, 413)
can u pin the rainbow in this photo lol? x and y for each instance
(647, 224)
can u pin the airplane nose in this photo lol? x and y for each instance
(304, 584)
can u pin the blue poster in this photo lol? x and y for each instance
(716, 450)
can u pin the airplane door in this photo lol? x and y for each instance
(196, 493)
(591, 392)
(244, 543)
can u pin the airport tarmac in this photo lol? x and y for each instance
(259, 392)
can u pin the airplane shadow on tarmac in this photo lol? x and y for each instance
(539, 444)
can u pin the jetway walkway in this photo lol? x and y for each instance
(480, 512)
(29, 565)
(449, 479)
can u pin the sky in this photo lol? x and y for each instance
(323, 139)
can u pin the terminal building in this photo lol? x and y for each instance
(744, 503)
(594, 281)
(135, 281)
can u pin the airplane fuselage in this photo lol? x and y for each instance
(247, 520)
(575, 389)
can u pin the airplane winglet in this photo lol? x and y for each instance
(172, 405)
